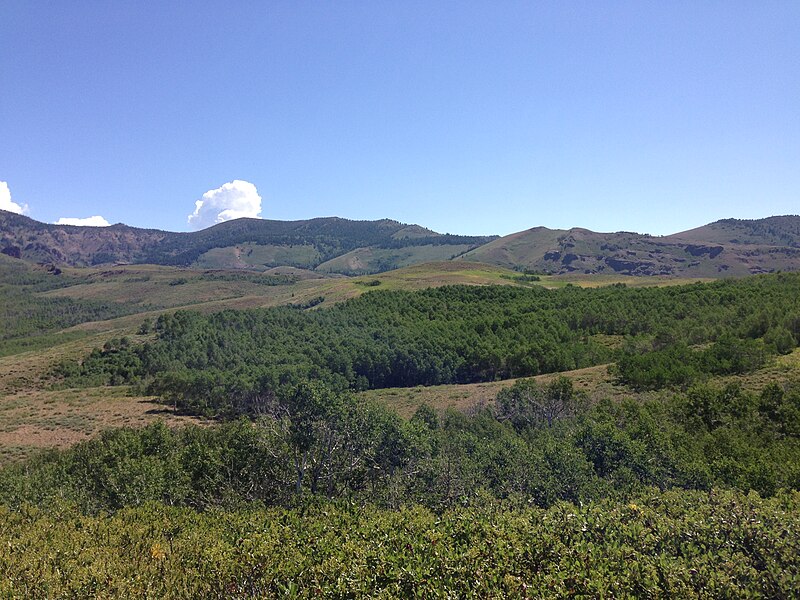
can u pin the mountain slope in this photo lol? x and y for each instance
(23, 237)
(242, 243)
(729, 247)
(723, 248)
(772, 231)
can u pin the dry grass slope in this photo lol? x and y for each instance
(596, 382)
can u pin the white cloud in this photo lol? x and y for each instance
(96, 221)
(231, 201)
(7, 204)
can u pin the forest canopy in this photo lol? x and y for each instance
(219, 363)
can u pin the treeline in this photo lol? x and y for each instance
(535, 445)
(248, 276)
(778, 230)
(445, 239)
(17, 273)
(27, 316)
(331, 237)
(213, 364)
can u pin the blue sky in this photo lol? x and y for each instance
(466, 117)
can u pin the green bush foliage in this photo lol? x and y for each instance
(716, 544)
(212, 364)
(679, 365)
(537, 444)
(685, 495)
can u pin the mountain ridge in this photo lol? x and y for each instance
(727, 247)
(303, 243)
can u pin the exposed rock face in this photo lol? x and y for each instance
(12, 251)
(636, 267)
(711, 251)
(568, 258)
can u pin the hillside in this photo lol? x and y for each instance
(255, 244)
(729, 247)
(331, 245)
(773, 231)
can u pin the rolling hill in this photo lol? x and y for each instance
(331, 245)
(729, 247)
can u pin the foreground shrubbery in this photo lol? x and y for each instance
(542, 495)
(539, 496)
(677, 544)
